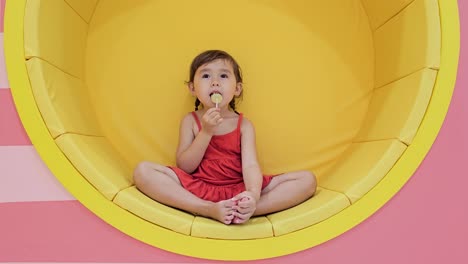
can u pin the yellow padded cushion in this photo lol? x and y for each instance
(380, 11)
(98, 162)
(141, 205)
(324, 204)
(408, 42)
(396, 110)
(55, 33)
(362, 167)
(257, 227)
(62, 100)
(84, 8)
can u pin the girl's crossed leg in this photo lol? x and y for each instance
(284, 191)
(162, 184)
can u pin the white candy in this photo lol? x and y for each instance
(216, 98)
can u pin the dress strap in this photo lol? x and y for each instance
(239, 122)
(197, 120)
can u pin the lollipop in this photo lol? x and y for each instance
(216, 98)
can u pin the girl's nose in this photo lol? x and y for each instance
(215, 83)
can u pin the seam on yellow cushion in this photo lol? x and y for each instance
(191, 226)
(377, 183)
(113, 198)
(429, 69)
(382, 139)
(83, 85)
(62, 70)
(363, 7)
(33, 88)
(76, 133)
(76, 12)
(83, 177)
(347, 197)
(385, 175)
(404, 76)
(271, 224)
(390, 18)
(142, 218)
(94, 11)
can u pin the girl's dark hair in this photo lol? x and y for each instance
(212, 55)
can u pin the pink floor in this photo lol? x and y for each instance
(426, 222)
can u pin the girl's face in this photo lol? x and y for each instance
(215, 77)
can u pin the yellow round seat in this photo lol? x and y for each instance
(337, 87)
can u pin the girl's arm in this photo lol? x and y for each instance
(191, 148)
(250, 168)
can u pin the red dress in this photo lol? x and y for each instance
(219, 175)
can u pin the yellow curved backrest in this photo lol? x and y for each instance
(344, 97)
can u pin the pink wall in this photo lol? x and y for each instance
(2, 8)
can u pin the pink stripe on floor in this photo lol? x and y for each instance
(67, 232)
(12, 132)
(3, 73)
(25, 177)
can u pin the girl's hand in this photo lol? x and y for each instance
(211, 119)
(245, 194)
(245, 206)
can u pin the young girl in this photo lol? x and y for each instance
(217, 173)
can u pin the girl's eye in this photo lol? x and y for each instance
(224, 76)
(205, 75)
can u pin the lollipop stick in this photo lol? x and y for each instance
(216, 98)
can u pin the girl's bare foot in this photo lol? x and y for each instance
(244, 209)
(223, 211)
